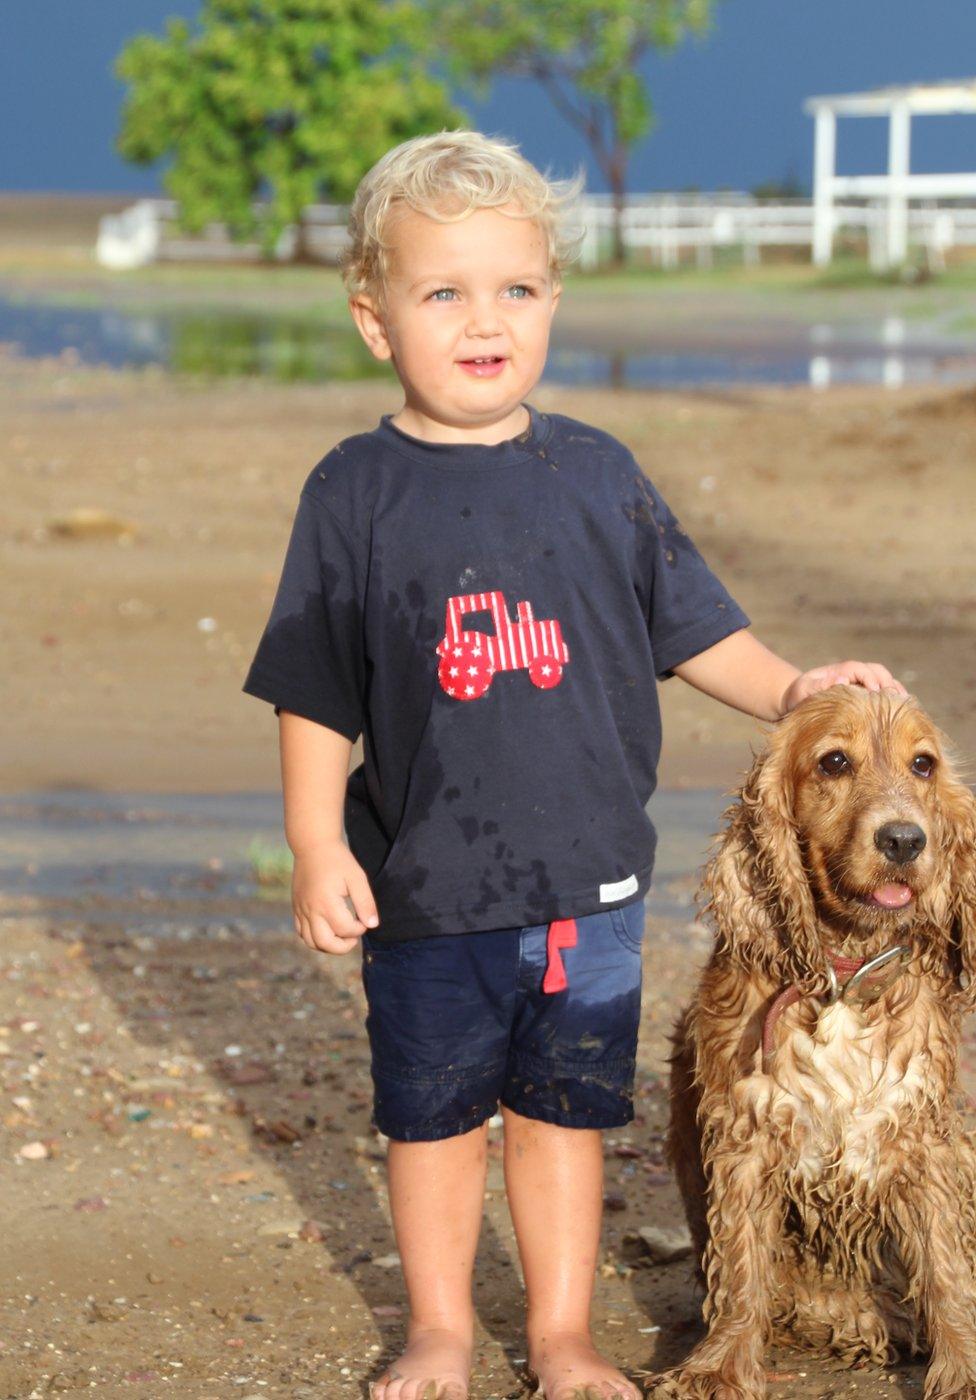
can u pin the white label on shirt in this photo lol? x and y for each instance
(617, 891)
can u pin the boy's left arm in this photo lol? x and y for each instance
(743, 673)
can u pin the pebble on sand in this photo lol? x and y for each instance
(34, 1151)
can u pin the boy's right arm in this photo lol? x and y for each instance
(314, 771)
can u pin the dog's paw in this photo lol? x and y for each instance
(689, 1383)
(953, 1390)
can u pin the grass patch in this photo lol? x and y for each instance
(844, 273)
(318, 294)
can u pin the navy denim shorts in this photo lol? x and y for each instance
(457, 1022)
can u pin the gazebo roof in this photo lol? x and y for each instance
(954, 95)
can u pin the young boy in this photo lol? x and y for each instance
(488, 594)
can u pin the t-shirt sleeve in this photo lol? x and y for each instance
(310, 658)
(688, 608)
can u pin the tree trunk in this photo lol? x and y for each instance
(303, 253)
(618, 187)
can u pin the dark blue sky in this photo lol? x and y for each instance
(729, 107)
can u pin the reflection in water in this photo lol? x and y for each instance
(288, 346)
(271, 349)
(892, 370)
(201, 343)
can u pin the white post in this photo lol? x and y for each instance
(899, 148)
(876, 214)
(825, 141)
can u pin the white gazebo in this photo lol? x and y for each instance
(898, 186)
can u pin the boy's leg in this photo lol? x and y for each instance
(570, 1075)
(554, 1180)
(439, 1023)
(437, 1247)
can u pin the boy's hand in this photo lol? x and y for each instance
(871, 674)
(321, 880)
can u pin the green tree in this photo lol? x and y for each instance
(285, 100)
(585, 53)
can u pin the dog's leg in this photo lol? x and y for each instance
(745, 1219)
(928, 1210)
(684, 1139)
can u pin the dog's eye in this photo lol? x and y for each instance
(834, 762)
(922, 764)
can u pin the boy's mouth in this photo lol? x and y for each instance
(483, 366)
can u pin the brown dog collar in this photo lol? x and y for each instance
(867, 979)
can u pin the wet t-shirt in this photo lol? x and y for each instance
(493, 619)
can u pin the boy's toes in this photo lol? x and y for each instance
(399, 1388)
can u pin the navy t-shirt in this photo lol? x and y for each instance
(493, 619)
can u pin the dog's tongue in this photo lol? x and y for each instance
(892, 896)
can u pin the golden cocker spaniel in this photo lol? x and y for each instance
(826, 1176)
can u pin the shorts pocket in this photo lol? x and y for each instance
(627, 922)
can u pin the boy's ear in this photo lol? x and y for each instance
(557, 292)
(370, 325)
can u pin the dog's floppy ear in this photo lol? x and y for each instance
(756, 887)
(957, 814)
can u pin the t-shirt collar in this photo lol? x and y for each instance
(466, 455)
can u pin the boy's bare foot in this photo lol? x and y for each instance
(569, 1367)
(434, 1365)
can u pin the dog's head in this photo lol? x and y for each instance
(852, 831)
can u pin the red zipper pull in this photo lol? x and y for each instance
(562, 934)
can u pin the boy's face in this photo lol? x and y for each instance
(475, 290)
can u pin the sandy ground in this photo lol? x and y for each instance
(841, 522)
(205, 1212)
(195, 1202)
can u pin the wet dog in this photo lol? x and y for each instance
(826, 1176)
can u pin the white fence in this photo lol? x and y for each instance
(667, 225)
(146, 232)
(670, 225)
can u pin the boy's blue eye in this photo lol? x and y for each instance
(442, 293)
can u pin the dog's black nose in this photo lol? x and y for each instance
(900, 842)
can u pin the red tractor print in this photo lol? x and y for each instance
(469, 660)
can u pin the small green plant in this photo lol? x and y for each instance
(271, 865)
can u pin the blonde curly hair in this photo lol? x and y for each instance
(447, 175)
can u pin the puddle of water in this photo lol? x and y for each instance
(166, 863)
(275, 347)
(887, 350)
(159, 862)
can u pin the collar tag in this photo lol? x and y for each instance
(874, 977)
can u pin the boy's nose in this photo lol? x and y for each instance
(484, 320)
